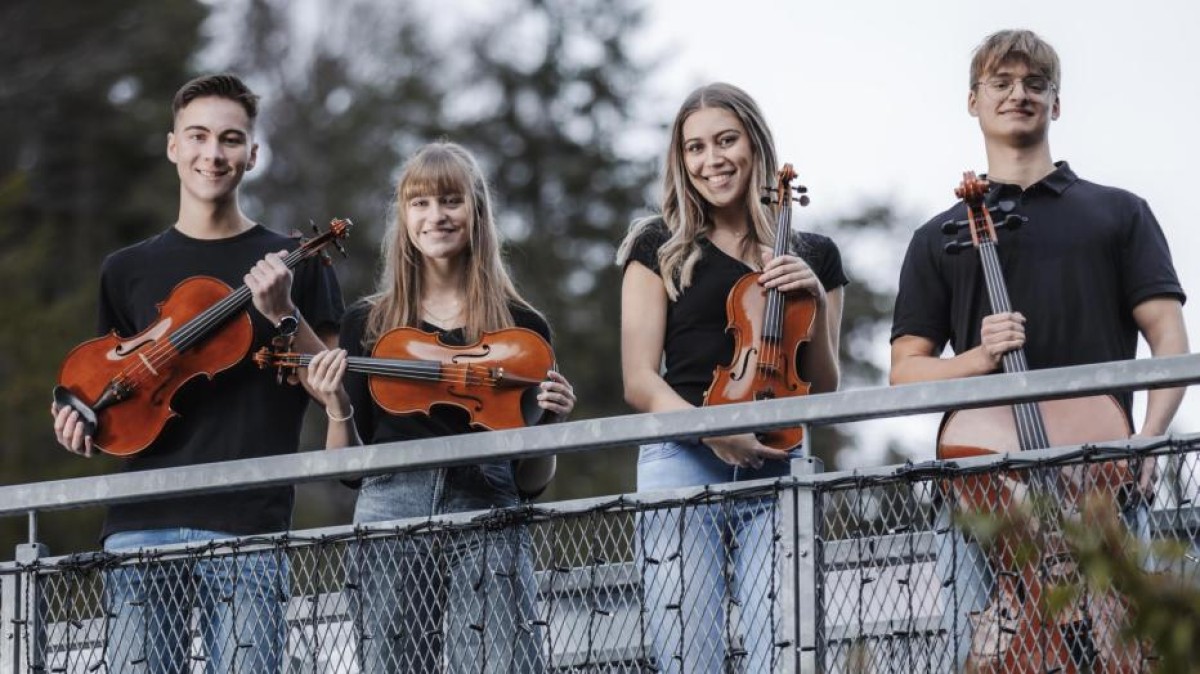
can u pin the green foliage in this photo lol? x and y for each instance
(1156, 583)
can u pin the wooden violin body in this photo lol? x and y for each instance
(764, 366)
(768, 327)
(122, 387)
(128, 383)
(495, 380)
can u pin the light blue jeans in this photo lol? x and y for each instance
(702, 561)
(240, 599)
(445, 601)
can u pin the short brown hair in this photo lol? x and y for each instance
(1023, 46)
(222, 86)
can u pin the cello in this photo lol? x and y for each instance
(1014, 633)
(122, 387)
(768, 327)
(495, 380)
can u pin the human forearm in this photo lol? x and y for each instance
(820, 362)
(1160, 321)
(910, 369)
(647, 392)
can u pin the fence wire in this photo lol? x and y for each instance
(624, 586)
(943, 569)
(907, 579)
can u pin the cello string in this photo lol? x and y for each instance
(1027, 417)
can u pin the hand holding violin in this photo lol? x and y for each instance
(744, 451)
(70, 431)
(556, 396)
(324, 377)
(789, 274)
(270, 284)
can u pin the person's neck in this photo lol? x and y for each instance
(731, 222)
(211, 220)
(1021, 166)
(443, 279)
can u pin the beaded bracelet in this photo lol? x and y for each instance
(348, 417)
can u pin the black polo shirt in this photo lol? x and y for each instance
(1086, 257)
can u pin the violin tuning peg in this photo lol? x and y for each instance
(766, 200)
(956, 247)
(803, 200)
(1012, 222)
(314, 226)
(801, 189)
(951, 227)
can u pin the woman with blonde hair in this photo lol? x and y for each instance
(466, 600)
(679, 269)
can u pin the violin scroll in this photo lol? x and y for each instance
(339, 228)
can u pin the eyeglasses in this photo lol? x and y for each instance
(999, 88)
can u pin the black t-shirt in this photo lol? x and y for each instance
(242, 413)
(376, 425)
(695, 342)
(1086, 257)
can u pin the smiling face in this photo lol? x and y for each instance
(439, 226)
(718, 157)
(1017, 117)
(212, 147)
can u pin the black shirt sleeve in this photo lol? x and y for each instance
(822, 254)
(646, 245)
(923, 301)
(1146, 259)
(316, 292)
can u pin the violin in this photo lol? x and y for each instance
(1014, 634)
(122, 387)
(768, 327)
(495, 380)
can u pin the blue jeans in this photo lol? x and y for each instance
(435, 601)
(240, 599)
(701, 561)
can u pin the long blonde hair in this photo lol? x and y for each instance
(437, 169)
(685, 212)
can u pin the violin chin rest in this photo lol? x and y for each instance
(64, 398)
(531, 412)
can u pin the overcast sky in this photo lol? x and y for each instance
(868, 100)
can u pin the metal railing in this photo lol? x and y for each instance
(845, 566)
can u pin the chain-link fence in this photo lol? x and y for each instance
(704, 580)
(941, 568)
(890, 569)
(685, 582)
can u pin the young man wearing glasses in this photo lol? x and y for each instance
(1087, 273)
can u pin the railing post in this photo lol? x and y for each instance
(9, 626)
(796, 571)
(22, 607)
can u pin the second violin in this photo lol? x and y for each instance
(495, 380)
(768, 328)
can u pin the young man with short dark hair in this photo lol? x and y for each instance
(242, 413)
